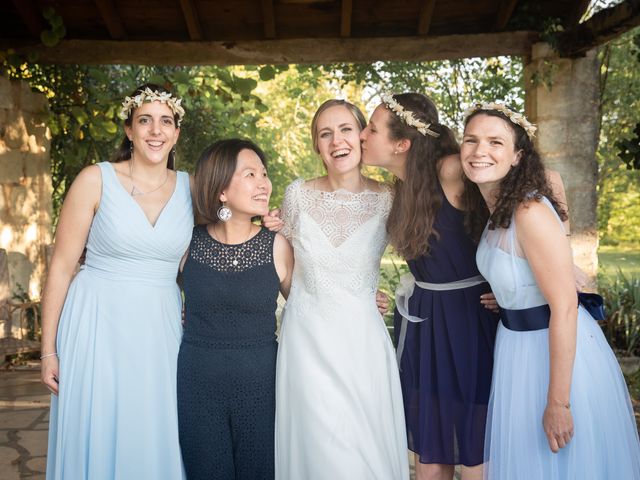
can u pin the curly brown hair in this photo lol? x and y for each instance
(524, 182)
(418, 197)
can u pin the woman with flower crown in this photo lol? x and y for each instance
(445, 335)
(110, 335)
(559, 406)
(338, 399)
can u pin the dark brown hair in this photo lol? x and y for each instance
(418, 197)
(214, 172)
(524, 182)
(124, 150)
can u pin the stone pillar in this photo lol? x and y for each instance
(25, 184)
(562, 97)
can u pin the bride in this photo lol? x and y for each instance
(339, 410)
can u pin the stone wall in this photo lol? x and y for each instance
(562, 98)
(25, 184)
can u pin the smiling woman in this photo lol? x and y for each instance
(348, 421)
(110, 335)
(231, 278)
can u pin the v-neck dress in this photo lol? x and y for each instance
(118, 340)
(339, 404)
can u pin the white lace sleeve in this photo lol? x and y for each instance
(291, 209)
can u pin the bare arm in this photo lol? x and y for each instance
(548, 252)
(71, 236)
(283, 259)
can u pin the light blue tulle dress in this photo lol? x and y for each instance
(118, 340)
(605, 442)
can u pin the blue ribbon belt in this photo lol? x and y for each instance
(537, 318)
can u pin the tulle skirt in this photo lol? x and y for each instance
(605, 442)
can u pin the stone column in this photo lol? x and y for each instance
(562, 97)
(25, 184)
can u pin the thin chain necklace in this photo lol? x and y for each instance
(135, 191)
(228, 248)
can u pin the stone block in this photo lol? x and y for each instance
(15, 134)
(6, 97)
(27, 100)
(12, 166)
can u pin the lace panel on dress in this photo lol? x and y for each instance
(253, 253)
(338, 214)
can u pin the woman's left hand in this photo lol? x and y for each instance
(382, 302)
(557, 422)
(489, 301)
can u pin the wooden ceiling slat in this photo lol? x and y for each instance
(269, 18)
(191, 19)
(111, 19)
(309, 50)
(605, 25)
(31, 17)
(426, 15)
(345, 18)
(578, 12)
(504, 13)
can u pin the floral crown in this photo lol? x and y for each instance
(515, 117)
(148, 95)
(407, 116)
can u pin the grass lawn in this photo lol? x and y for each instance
(625, 258)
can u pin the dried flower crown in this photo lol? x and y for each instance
(407, 116)
(148, 95)
(515, 117)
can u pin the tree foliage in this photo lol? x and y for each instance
(619, 186)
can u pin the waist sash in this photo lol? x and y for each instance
(405, 291)
(537, 318)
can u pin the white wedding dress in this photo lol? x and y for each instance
(339, 410)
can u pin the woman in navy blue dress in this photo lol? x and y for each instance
(231, 278)
(445, 335)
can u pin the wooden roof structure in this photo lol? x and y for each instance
(191, 32)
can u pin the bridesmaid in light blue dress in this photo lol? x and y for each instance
(559, 407)
(111, 335)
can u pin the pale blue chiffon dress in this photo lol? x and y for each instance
(605, 442)
(118, 341)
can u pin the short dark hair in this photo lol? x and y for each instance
(214, 171)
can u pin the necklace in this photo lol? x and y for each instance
(233, 253)
(135, 191)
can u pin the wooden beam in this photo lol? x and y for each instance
(504, 14)
(605, 25)
(425, 17)
(191, 19)
(30, 16)
(307, 50)
(574, 16)
(269, 19)
(345, 18)
(111, 19)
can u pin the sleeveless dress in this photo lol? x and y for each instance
(605, 442)
(339, 405)
(118, 340)
(227, 361)
(445, 347)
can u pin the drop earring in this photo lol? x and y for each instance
(224, 213)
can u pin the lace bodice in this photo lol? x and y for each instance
(223, 257)
(338, 239)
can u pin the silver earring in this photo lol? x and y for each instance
(395, 152)
(131, 148)
(173, 151)
(224, 213)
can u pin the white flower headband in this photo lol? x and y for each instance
(515, 117)
(407, 116)
(148, 95)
